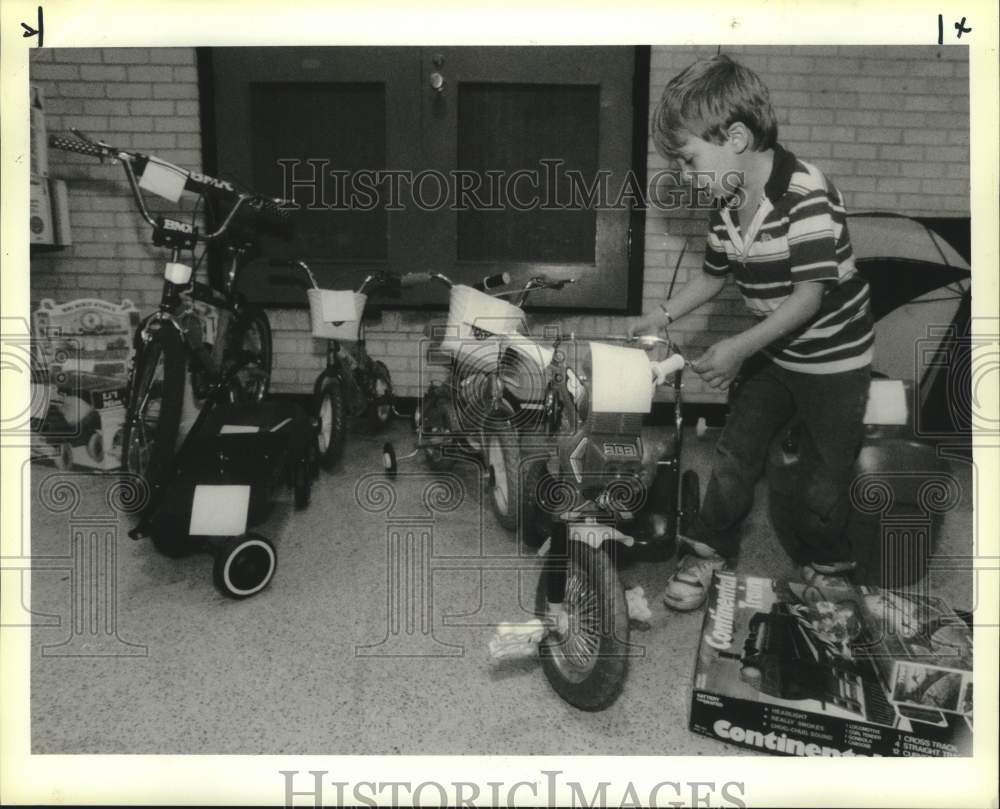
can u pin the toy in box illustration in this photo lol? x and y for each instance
(791, 669)
(921, 648)
(81, 356)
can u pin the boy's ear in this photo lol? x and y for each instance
(740, 137)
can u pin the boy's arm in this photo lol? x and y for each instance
(702, 289)
(719, 365)
(695, 292)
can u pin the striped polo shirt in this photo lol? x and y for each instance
(798, 233)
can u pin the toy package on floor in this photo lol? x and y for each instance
(792, 669)
(921, 648)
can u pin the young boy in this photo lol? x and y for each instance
(782, 234)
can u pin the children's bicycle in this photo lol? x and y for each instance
(494, 388)
(237, 354)
(352, 384)
(595, 500)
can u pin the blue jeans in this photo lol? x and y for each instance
(830, 409)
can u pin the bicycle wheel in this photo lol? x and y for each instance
(503, 464)
(247, 348)
(155, 397)
(329, 410)
(587, 664)
(379, 411)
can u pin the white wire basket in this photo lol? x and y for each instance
(336, 314)
(477, 324)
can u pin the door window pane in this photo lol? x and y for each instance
(341, 127)
(503, 128)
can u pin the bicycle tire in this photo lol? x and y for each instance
(589, 676)
(252, 383)
(330, 412)
(149, 452)
(379, 410)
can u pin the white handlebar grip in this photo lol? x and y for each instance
(664, 368)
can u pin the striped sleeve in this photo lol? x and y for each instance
(812, 246)
(716, 262)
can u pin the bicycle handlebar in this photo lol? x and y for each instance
(135, 163)
(412, 279)
(380, 279)
(500, 279)
(665, 368)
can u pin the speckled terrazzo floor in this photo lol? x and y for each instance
(189, 671)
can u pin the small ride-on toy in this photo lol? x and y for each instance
(225, 478)
(352, 384)
(592, 498)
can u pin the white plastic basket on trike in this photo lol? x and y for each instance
(335, 314)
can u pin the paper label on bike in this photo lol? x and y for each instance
(620, 379)
(219, 511)
(163, 179)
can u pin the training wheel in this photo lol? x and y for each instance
(389, 459)
(244, 566)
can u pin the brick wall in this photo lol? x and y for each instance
(888, 124)
(134, 98)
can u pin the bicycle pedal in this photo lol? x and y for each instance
(513, 641)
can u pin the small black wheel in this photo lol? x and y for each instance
(379, 411)
(587, 666)
(502, 449)
(389, 460)
(313, 460)
(244, 565)
(331, 416)
(690, 501)
(302, 480)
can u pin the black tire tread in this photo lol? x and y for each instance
(333, 387)
(605, 683)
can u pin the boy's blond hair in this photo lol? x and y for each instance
(706, 99)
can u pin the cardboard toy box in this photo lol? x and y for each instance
(80, 379)
(921, 649)
(785, 668)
